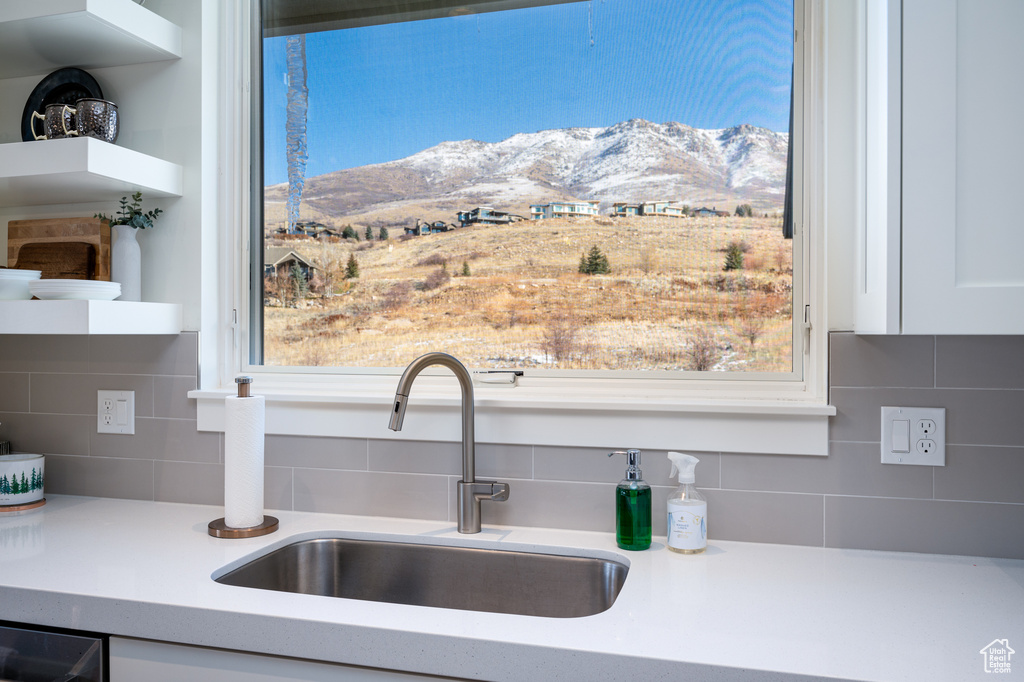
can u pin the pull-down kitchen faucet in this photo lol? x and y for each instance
(470, 490)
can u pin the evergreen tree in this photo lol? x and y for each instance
(24, 483)
(349, 233)
(594, 263)
(745, 211)
(352, 267)
(32, 480)
(300, 287)
(465, 269)
(383, 235)
(5, 486)
(734, 256)
(368, 235)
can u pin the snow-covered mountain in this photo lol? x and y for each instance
(630, 161)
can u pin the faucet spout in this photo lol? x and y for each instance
(470, 491)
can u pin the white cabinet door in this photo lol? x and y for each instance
(963, 178)
(132, 660)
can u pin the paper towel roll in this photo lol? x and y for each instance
(243, 461)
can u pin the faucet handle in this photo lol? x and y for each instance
(489, 490)
(499, 492)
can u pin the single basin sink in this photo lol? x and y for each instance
(471, 579)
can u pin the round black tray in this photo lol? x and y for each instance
(63, 86)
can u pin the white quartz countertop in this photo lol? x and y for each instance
(741, 611)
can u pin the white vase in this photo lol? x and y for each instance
(126, 263)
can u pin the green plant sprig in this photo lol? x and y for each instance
(131, 214)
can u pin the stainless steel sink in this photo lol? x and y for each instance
(471, 579)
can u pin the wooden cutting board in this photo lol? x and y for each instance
(65, 257)
(59, 260)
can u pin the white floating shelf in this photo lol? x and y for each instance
(89, 317)
(39, 36)
(79, 170)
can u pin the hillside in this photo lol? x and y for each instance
(524, 304)
(631, 161)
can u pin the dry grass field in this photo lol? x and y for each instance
(666, 304)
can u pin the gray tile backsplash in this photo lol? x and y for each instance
(784, 518)
(905, 361)
(979, 362)
(973, 505)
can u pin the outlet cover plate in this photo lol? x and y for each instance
(115, 412)
(926, 437)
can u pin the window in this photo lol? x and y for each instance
(420, 187)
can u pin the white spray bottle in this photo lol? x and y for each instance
(687, 509)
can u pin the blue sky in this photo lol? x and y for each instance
(385, 92)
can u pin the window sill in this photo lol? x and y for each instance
(568, 416)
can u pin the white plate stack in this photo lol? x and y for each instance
(14, 283)
(74, 290)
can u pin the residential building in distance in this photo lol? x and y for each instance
(662, 209)
(485, 215)
(705, 212)
(563, 209)
(279, 261)
(423, 227)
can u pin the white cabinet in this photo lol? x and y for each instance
(943, 234)
(44, 35)
(132, 660)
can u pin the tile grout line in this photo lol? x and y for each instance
(824, 515)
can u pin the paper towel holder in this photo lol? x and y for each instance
(218, 528)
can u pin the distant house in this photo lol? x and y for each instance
(308, 228)
(485, 215)
(563, 209)
(661, 209)
(280, 260)
(621, 209)
(423, 227)
(705, 212)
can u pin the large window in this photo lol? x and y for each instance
(555, 187)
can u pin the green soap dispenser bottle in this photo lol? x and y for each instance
(632, 505)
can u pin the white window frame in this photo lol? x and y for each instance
(732, 415)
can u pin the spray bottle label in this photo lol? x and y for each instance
(687, 524)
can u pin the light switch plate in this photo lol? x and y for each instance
(914, 435)
(115, 412)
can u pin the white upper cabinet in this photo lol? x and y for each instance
(943, 186)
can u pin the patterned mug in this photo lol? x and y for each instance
(58, 122)
(96, 118)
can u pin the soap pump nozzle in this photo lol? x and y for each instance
(633, 472)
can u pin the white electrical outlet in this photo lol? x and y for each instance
(914, 435)
(115, 412)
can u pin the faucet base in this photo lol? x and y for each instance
(468, 501)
